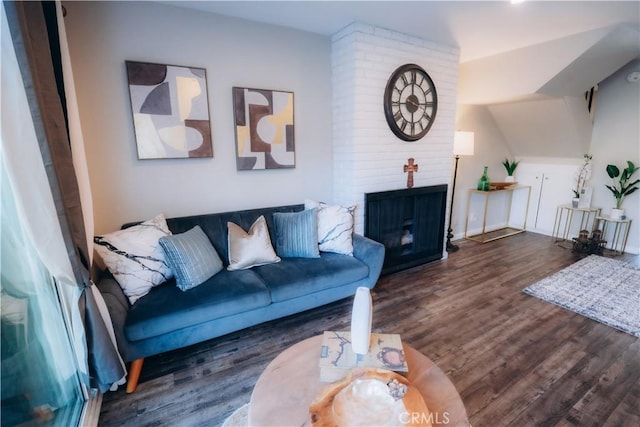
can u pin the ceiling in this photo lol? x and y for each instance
(479, 28)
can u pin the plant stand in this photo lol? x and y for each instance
(564, 219)
(619, 235)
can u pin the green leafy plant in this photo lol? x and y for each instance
(510, 166)
(623, 187)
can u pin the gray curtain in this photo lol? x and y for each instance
(38, 56)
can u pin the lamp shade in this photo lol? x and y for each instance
(463, 144)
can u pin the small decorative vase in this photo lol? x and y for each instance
(483, 183)
(361, 315)
(510, 178)
(616, 213)
(575, 202)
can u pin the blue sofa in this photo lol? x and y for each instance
(167, 318)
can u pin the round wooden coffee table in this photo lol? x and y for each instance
(291, 381)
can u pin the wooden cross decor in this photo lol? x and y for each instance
(410, 168)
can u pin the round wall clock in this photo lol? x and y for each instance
(410, 102)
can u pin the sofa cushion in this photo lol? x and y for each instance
(134, 256)
(166, 308)
(191, 257)
(296, 234)
(250, 248)
(294, 277)
(335, 227)
(215, 227)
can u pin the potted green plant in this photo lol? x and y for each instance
(622, 188)
(510, 166)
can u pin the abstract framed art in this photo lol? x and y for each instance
(264, 129)
(170, 110)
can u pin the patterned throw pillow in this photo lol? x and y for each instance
(297, 234)
(335, 227)
(134, 256)
(250, 249)
(192, 257)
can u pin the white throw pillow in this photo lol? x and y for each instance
(335, 227)
(250, 249)
(134, 256)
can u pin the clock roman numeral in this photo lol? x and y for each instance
(401, 122)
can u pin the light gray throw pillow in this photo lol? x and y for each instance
(252, 248)
(192, 257)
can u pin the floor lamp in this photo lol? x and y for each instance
(462, 146)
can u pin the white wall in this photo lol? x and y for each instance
(490, 149)
(102, 35)
(550, 127)
(616, 139)
(368, 157)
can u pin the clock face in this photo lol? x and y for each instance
(410, 102)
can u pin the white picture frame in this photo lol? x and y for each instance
(584, 202)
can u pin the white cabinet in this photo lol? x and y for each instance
(551, 185)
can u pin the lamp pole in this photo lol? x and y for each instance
(450, 246)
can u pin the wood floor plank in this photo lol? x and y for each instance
(515, 359)
(519, 356)
(627, 412)
(609, 389)
(515, 399)
(572, 387)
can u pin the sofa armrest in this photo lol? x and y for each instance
(118, 307)
(371, 253)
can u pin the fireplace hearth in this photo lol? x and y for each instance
(409, 223)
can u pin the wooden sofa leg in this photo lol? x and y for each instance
(134, 375)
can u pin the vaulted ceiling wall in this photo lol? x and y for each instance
(536, 94)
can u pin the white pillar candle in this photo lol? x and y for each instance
(361, 321)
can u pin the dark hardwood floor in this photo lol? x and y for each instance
(516, 360)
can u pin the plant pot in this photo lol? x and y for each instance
(574, 202)
(510, 178)
(616, 213)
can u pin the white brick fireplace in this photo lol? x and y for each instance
(368, 157)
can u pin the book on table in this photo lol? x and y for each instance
(337, 357)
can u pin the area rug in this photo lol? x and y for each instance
(602, 289)
(239, 418)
